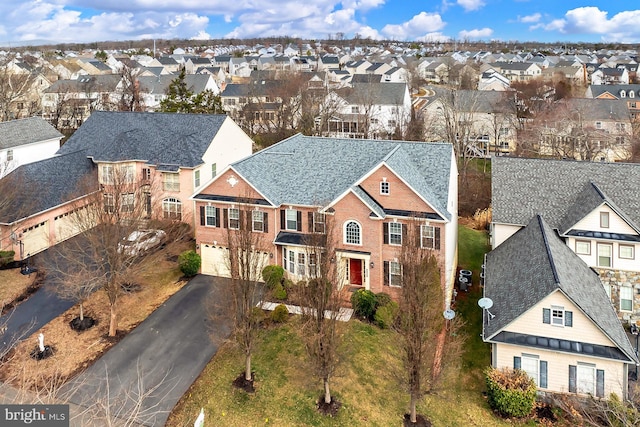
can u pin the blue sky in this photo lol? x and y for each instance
(68, 21)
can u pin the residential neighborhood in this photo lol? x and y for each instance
(477, 208)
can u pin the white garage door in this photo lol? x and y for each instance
(66, 226)
(215, 260)
(35, 238)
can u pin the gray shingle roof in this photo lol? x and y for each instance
(157, 138)
(50, 182)
(196, 83)
(375, 93)
(561, 190)
(532, 264)
(26, 131)
(305, 170)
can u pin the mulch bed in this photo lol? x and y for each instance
(82, 325)
(330, 409)
(41, 355)
(242, 383)
(421, 421)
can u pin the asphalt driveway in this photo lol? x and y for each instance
(150, 369)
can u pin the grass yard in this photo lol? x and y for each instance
(13, 284)
(367, 384)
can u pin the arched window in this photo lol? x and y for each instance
(632, 94)
(172, 209)
(352, 233)
(623, 94)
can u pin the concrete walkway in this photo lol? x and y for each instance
(149, 370)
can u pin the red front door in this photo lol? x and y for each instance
(355, 271)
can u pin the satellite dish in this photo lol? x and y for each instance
(449, 314)
(485, 303)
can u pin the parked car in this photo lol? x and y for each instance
(141, 241)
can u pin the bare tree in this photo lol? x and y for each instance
(15, 85)
(130, 95)
(246, 260)
(321, 302)
(421, 325)
(104, 218)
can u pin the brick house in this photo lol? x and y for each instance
(171, 155)
(370, 190)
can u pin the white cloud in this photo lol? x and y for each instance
(415, 27)
(621, 27)
(434, 38)
(475, 34)
(529, 19)
(469, 5)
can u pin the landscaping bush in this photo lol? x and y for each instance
(364, 304)
(258, 314)
(386, 314)
(279, 292)
(189, 262)
(383, 299)
(6, 257)
(511, 392)
(280, 314)
(272, 275)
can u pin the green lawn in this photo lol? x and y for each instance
(367, 384)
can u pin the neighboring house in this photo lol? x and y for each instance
(594, 207)
(154, 89)
(486, 119)
(370, 190)
(492, 80)
(518, 71)
(67, 104)
(630, 93)
(587, 129)
(25, 141)
(552, 318)
(607, 76)
(367, 110)
(177, 153)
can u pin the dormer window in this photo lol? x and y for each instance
(632, 94)
(384, 188)
(623, 94)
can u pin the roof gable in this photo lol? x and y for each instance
(157, 138)
(15, 133)
(534, 263)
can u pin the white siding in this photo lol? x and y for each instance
(558, 367)
(583, 328)
(502, 232)
(591, 222)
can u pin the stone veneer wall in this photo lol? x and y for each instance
(616, 279)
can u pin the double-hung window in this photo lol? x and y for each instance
(126, 202)
(210, 216)
(291, 219)
(171, 181)
(318, 222)
(626, 298)
(427, 236)
(234, 218)
(258, 221)
(395, 273)
(604, 255)
(395, 233)
(534, 367)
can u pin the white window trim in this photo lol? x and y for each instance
(196, 178)
(395, 264)
(395, 234)
(207, 215)
(171, 181)
(295, 219)
(344, 232)
(626, 289)
(582, 367)
(385, 188)
(532, 358)
(555, 317)
(171, 205)
(260, 220)
(235, 211)
(422, 236)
